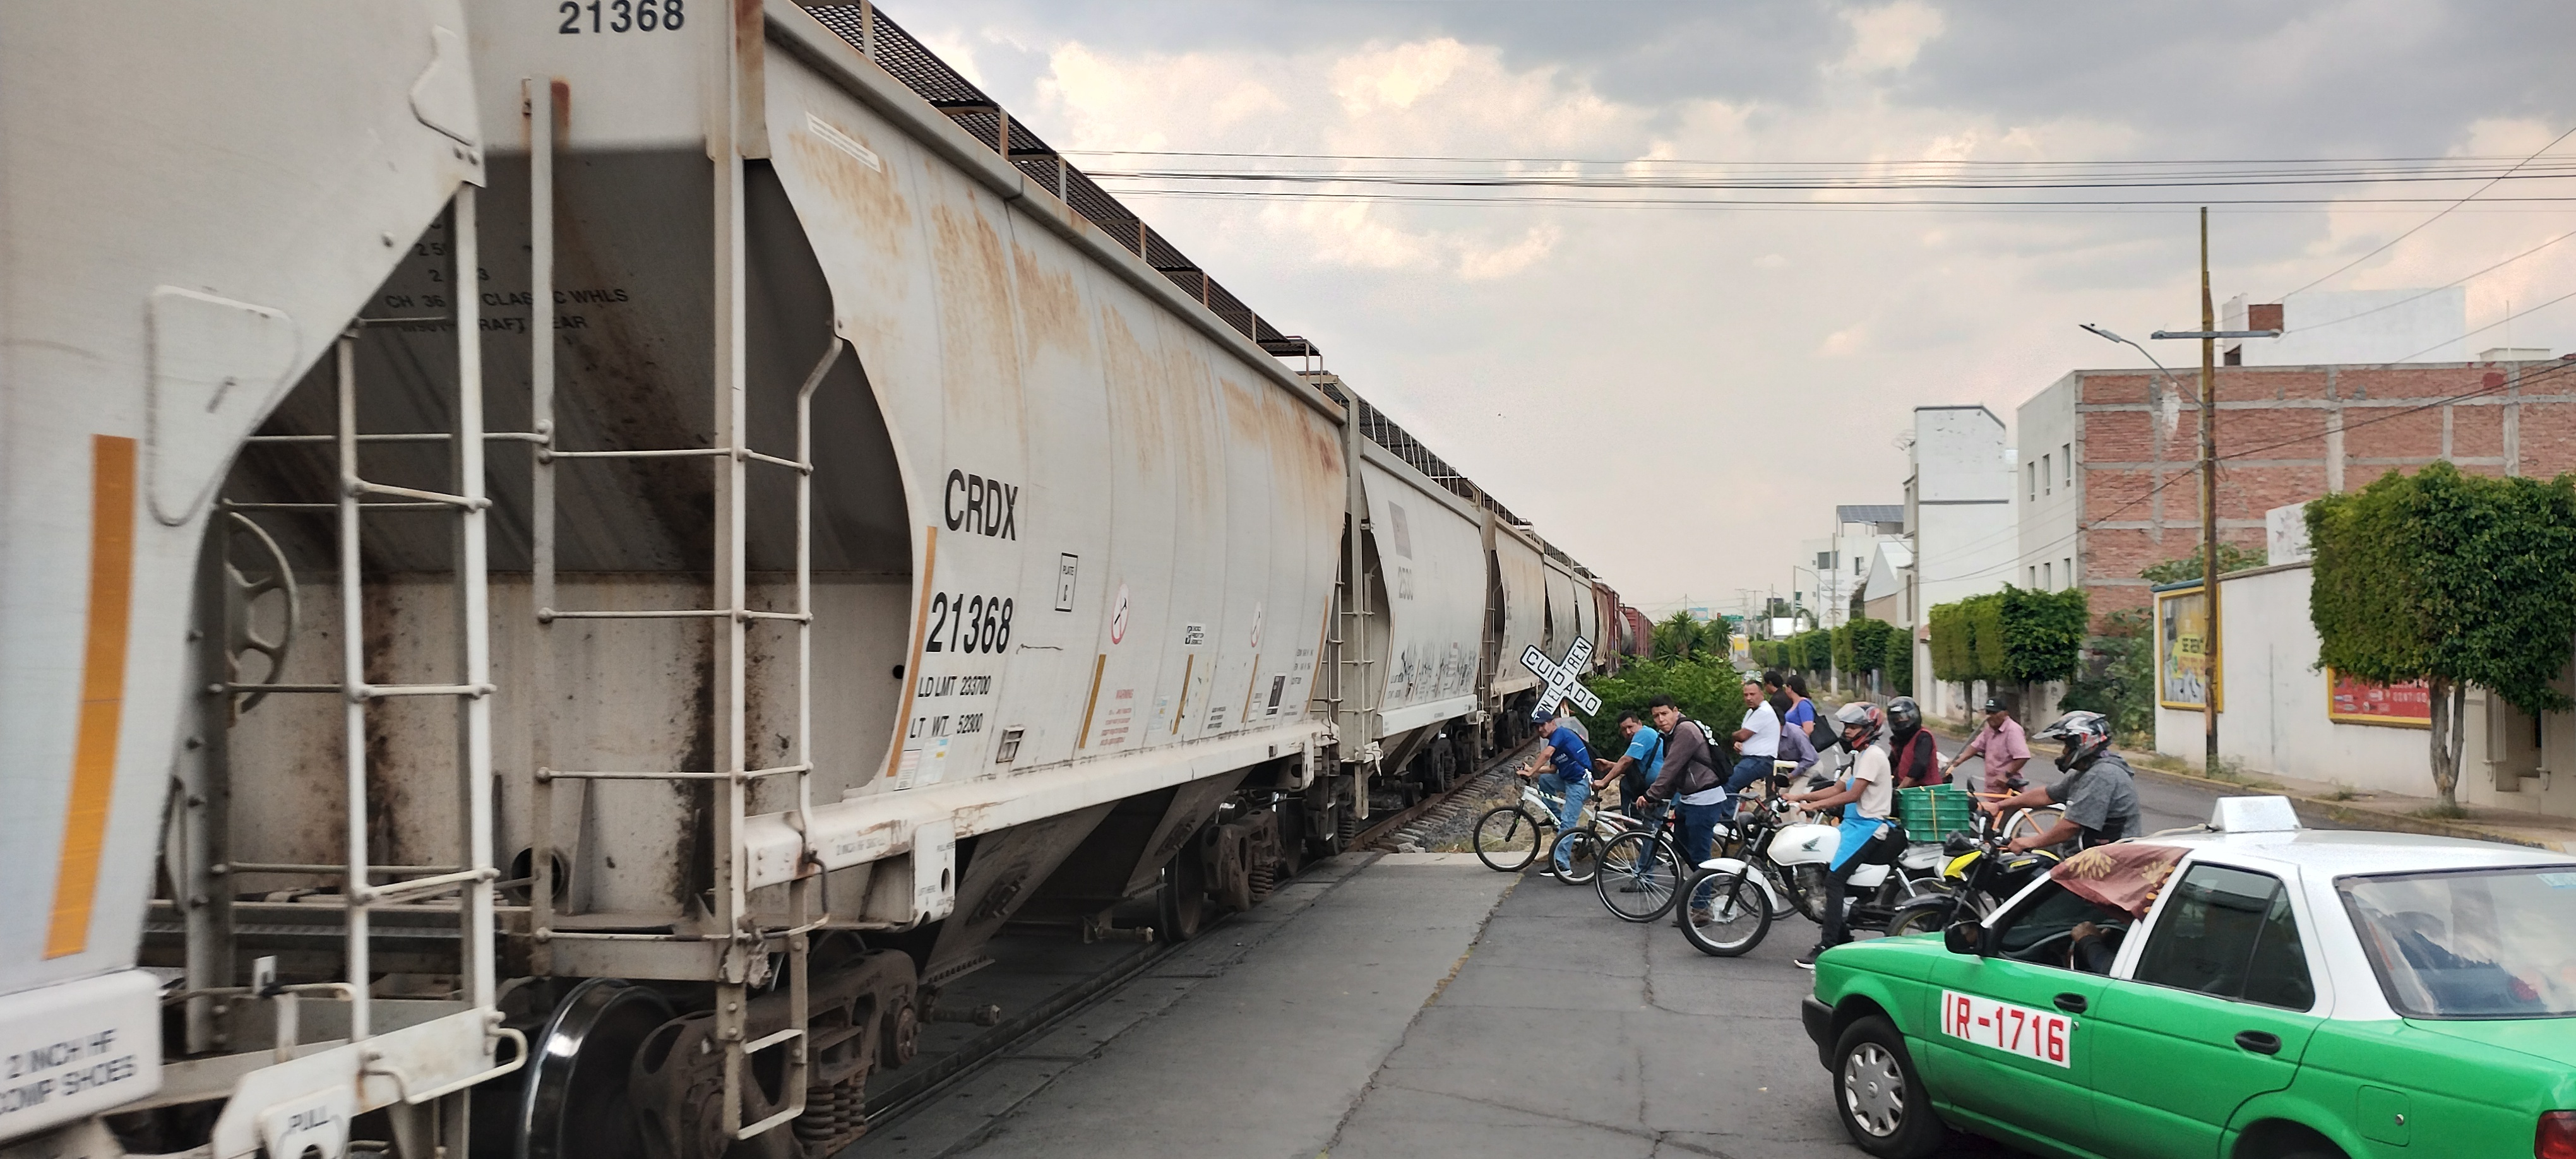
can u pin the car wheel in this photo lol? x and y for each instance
(1880, 1096)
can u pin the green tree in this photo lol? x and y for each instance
(1706, 688)
(2043, 633)
(2121, 683)
(2230, 558)
(2453, 579)
(1952, 659)
(1679, 636)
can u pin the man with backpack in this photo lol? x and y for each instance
(1690, 781)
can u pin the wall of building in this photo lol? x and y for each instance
(2355, 327)
(1960, 514)
(2273, 714)
(2049, 488)
(2286, 435)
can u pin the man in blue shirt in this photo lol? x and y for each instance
(1570, 773)
(1639, 766)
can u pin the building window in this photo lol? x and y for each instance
(2066, 455)
(2047, 477)
(2070, 571)
(2047, 580)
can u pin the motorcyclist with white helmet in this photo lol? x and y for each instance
(2099, 790)
(1867, 794)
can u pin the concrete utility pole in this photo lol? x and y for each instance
(2209, 495)
(2209, 335)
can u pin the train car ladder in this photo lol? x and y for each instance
(732, 617)
(365, 886)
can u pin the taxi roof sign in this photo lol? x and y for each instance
(2254, 815)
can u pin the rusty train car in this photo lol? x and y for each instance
(623, 546)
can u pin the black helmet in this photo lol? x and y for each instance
(2087, 736)
(1904, 716)
(1858, 715)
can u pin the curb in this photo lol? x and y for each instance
(2340, 813)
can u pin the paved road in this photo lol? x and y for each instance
(1424, 1006)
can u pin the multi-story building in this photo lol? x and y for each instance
(2108, 478)
(1840, 562)
(1959, 526)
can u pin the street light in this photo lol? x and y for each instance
(2208, 334)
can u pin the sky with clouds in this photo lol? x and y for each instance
(1679, 395)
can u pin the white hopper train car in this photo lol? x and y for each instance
(656, 536)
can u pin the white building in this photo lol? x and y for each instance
(1887, 591)
(1836, 565)
(2348, 326)
(1959, 521)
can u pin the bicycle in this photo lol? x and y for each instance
(1640, 868)
(1506, 837)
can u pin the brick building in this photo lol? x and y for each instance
(2108, 470)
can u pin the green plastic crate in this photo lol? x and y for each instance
(1933, 812)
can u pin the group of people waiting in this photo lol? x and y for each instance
(1672, 763)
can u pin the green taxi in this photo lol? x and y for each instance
(2280, 993)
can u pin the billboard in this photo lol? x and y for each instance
(2183, 676)
(2352, 700)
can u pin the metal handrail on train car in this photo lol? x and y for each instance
(732, 617)
(477, 875)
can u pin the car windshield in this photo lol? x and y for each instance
(2471, 944)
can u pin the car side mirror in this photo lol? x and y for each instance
(1965, 938)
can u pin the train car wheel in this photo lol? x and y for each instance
(576, 1104)
(1184, 901)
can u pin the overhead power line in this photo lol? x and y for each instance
(2383, 246)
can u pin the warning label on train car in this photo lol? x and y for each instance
(77, 1049)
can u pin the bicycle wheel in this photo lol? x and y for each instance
(1726, 916)
(1639, 870)
(1579, 851)
(1507, 836)
(2031, 822)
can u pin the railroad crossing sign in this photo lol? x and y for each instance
(1563, 680)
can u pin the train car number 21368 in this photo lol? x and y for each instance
(963, 623)
(621, 16)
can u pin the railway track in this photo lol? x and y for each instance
(1389, 834)
(923, 1081)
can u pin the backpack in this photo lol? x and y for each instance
(1717, 773)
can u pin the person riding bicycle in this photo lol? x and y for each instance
(1867, 795)
(1636, 768)
(2100, 790)
(1690, 780)
(1571, 775)
(2002, 745)
(1916, 758)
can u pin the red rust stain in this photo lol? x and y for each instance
(979, 345)
(876, 207)
(1050, 304)
(1138, 429)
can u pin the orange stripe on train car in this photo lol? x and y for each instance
(102, 703)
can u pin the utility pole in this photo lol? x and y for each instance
(2208, 334)
(2209, 497)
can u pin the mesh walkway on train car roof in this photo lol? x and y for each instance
(866, 28)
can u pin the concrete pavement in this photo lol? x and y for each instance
(1420, 1004)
